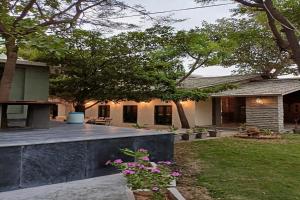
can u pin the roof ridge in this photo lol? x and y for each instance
(238, 75)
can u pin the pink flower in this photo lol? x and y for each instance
(155, 189)
(175, 174)
(108, 162)
(145, 158)
(155, 170)
(131, 164)
(143, 150)
(141, 166)
(128, 172)
(118, 161)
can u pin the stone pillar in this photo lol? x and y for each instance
(265, 112)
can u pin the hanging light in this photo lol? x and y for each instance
(259, 101)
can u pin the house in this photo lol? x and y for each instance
(267, 104)
(31, 83)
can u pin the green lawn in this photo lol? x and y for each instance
(247, 169)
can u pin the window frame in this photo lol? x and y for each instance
(165, 113)
(135, 118)
(106, 111)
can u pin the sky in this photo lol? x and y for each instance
(193, 18)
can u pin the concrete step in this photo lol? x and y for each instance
(112, 187)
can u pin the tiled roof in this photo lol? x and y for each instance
(264, 88)
(203, 82)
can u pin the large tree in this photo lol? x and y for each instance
(253, 50)
(283, 19)
(135, 66)
(22, 20)
(116, 68)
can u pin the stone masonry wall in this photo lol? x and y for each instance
(265, 112)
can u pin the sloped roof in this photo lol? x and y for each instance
(23, 62)
(272, 87)
(204, 82)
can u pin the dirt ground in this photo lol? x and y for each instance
(189, 168)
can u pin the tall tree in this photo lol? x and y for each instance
(253, 48)
(283, 19)
(21, 20)
(115, 68)
(203, 50)
(135, 66)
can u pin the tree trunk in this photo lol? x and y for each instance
(4, 116)
(9, 69)
(287, 27)
(294, 45)
(8, 76)
(182, 116)
(79, 107)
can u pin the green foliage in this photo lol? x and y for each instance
(266, 131)
(195, 94)
(130, 66)
(200, 130)
(252, 48)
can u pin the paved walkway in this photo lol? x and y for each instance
(110, 187)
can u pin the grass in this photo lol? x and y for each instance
(237, 169)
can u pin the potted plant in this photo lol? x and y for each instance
(200, 132)
(213, 132)
(147, 180)
(187, 135)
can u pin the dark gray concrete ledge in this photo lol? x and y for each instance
(71, 152)
(62, 132)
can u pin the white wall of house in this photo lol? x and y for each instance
(203, 113)
(145, 114)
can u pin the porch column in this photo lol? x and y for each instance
(216, 111)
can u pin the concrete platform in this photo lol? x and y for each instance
(62, 132)
(112, 187)
(30, 158)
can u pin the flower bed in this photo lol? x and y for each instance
(147, 180)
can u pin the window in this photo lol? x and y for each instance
(104, 111)
(163, 115)
(130, 114)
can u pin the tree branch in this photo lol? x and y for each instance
(92, 105)
(193, 68)
(24, 12)
(246, 3)
(283, 44)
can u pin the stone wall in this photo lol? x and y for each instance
(43, 164)
(265, 112)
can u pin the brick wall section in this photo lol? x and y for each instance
(268, 114)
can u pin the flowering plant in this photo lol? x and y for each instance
(143, 174)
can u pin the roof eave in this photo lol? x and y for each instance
(25, 62)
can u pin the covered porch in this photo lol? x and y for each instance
(267, 104)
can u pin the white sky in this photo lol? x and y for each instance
(194, 19)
